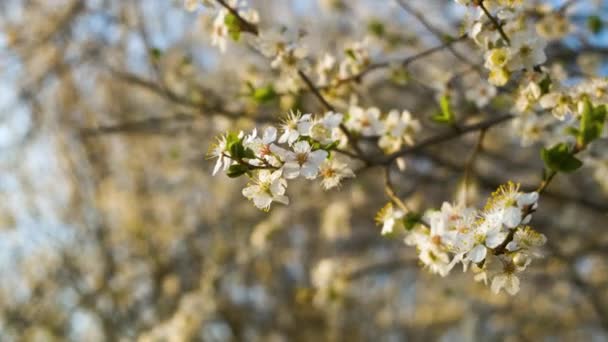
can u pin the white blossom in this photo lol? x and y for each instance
(294, 126)
(267, 188)
(302, 161)
(366, 121)
(333, 171)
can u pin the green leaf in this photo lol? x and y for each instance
(572, 131)
(545, 85)
(350, 53)
(559, 158)
(237, 170)
(592, 123)
(233, 25)
(446, 115)
(411, 219)
(156, 53)
(376, 28)
(399, 76)
(446, 38)
(237, 150)
(264, 94)
(249, 154)
(595, 24)
(330, 146)
(234, 145)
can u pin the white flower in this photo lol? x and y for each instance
(294, 126)
(324, 273)
(389, 217)
(553, 26)
(507, 280)
(499, 76)
(325, 65)
(488, 234)
(528, 96)
(527, 50)
(481, 94)
(437, 261)
(532, 128)
(283, 50)
(191, 5)
(219, 151)
(504, 268)
(302, 161)
(560, 104)
(497, 58)
(327, 130)
(268, 187)
(510, 205)
(526, 238)
(397, 128)
(219, 32)
(261, 147)
(365, 121)
(357, 57)
(333, 171)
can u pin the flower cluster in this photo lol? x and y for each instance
(225, 25)
(543, 92)
(513, 46)
(393, 129)
(304, 149)
(496, 241)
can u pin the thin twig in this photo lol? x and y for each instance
(468, 166)
(495, 22)
(436, 32)
(245, 25)
(351, 139)
(452, 134)
(389, 189)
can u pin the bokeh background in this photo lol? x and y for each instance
(113, 229)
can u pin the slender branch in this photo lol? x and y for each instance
(563, 8)
(436, 32)
(452, 134)
(389, 188)
(494, 21)
(167, 94)
(315, 91)
(468, 166)
(244, 24)
(404, 62)
(351, 139)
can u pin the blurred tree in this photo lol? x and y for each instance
(114, 229)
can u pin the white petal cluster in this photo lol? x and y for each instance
(303, 149)
(283, 48)
(267, 187)
(496, 241)
(519, 48)
(563, 102)
(390, 219)
(220, 30)
(393, 129)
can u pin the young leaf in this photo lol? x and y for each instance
(559, 158)
(595, 24)
(376, 28)
(592, 122)
(411, 219)
(237, 170)
(264, 94)
(233, 25)
(446, 115)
